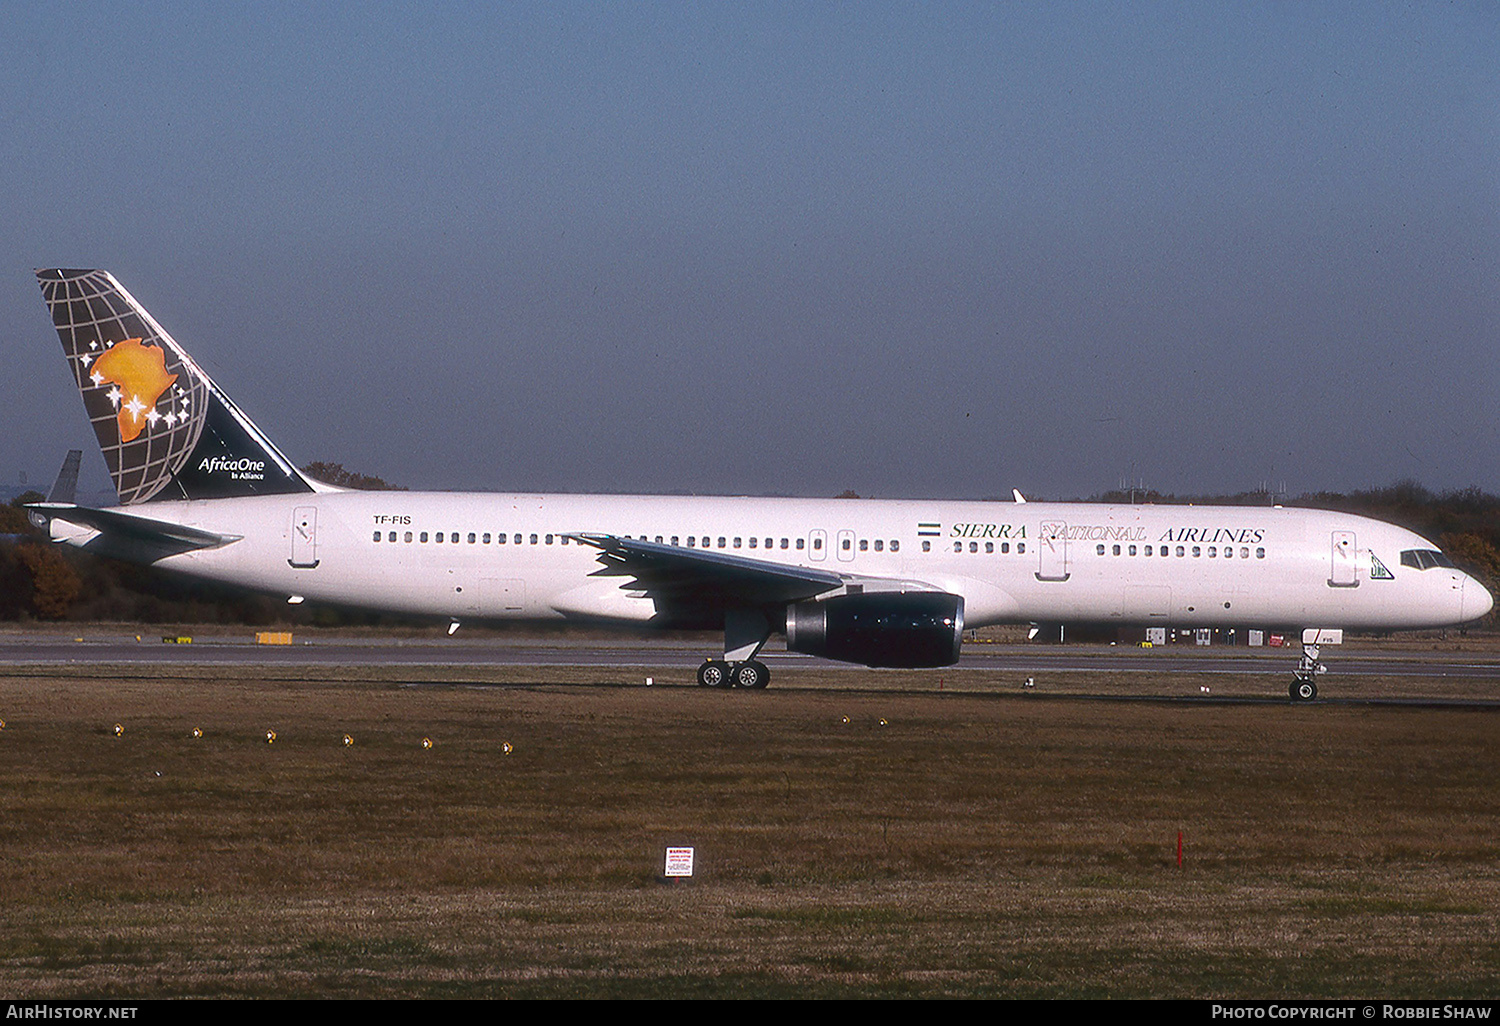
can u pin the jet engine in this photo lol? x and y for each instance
(898, 629)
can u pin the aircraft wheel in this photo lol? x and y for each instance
(1303, 691)
(753, 674)
(713, 674)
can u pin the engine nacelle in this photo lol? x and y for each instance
(901, 629)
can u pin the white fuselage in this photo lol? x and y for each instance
(1011, 562)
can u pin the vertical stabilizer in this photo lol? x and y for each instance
(166, 430)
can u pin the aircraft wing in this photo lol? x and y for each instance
(672, 574)
(689, 585)
(122, 535)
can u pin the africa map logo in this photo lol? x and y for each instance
(139, 376)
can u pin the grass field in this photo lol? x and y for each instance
(850, 841)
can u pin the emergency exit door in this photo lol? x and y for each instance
(304, 537)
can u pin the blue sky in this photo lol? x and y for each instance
(913, 250)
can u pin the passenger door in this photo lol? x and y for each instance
(1343, 571)
(1052, 549)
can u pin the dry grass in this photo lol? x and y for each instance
(975, 844)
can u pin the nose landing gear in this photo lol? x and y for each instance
(1304, 687)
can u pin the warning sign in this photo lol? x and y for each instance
(679, 862)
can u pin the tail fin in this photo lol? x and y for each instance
(166, 430)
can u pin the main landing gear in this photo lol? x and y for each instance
(719, 673)
(746, 632)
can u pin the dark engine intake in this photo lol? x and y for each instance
(898, 629)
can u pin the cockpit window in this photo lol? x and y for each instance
(1425, 559)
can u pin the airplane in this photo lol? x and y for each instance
(882, 583)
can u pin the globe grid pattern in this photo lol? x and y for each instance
(92, 313)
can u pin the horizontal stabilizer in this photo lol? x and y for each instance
(65, 488)
(123, 535)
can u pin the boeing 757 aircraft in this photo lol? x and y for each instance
(882, 583)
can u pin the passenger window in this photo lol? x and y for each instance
(533, 539)
(927, 546)
(1132, 550)
(799, 543)
(1260, 553)
(1117, 550)
(486, 537)
(1004, 548)
(1180, 552)
(1020, 547)
(752, 542)
(691, 540)
(817, 544)
(518, 539)
(453, 537)
(1244, 552)
(973, 546)
(1197, 551)
(1213, 550)
(438, 538)
(408, 536)
(674, 539)
(769, 541)
(1099, 549)
(472, 538)
(721, 543)
(958, 546)
(736, 543)
(879, 545)
(989, 547)
(658, 540)
(549, 539)
(895, 545)
(392, 537)
(422, 537)
(377, 535)
(1148, 551)
(864, 545)
(1229, 552)
(500, 539)
(845, 544)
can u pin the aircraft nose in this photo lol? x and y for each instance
(1476, 600)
